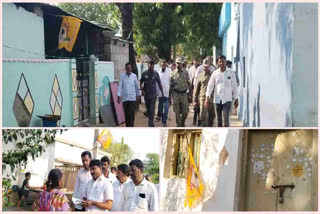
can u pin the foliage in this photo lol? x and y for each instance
(151, 165)
(121, 153)
(26, 143)
(160, 26)
(6, 191)
(157, 28)
(161, 29)
(103, 13)
(201, 22)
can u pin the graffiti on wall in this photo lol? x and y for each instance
(23, 104)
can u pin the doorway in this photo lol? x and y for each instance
(83, 89)
(279, 171)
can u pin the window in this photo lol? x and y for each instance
(179, 151)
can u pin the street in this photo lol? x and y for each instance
(142, 121)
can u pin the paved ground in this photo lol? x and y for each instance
(142, 121)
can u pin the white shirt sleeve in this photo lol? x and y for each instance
(211, 85)
(234, 85)
(85, 193)
(108, 192)
(119, 93)
(76, 187)
(154, 202)
(137, 86)
(195, 81)
(124, 206)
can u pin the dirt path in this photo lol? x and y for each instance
(142, 121)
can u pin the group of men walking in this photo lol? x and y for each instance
(212, 89)
(98, 189)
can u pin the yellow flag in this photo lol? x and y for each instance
(68, 32)
(105, 138)
(194, 186)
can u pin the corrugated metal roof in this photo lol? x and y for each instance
(54, 10)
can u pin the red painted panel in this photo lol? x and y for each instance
(117, 106)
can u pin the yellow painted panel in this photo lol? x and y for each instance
(28, 102)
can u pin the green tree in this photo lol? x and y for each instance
(151, 165)
(164, 29)
(121, 153)
(157, 28)
(201, 22)
(28, 143)
(103, 13)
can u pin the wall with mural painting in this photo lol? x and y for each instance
(36, 87)
(104, 75)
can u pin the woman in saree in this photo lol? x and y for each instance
(52, 198)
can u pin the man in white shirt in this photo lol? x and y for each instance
(129, 94)
(223, 82)
(105, 161)
(99, 191)
(192, 73)
(139, 194)
(192, 70)
(163, 105)
(83, 177)
(123, 173)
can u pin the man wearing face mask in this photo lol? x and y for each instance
(148, 86)
(83, 177)
(123, 173)
(99, 191)
(181, 93)
(163, 106)
(139, 194)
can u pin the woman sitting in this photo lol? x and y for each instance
(52, 198)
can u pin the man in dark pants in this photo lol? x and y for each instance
(129, 94)
(224, 86)
(149, 79)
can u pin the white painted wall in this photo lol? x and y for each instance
(220, 181)
(232, 34)
(266, 35)
(279, 43)
(305, 65)
(22, 33)
(38, 167)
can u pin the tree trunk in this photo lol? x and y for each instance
(127, 23)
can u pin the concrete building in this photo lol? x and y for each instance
(273, 47)
(39, 78)
(239, 167)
